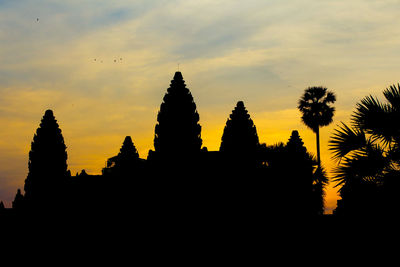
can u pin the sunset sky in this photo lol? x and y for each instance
(103, 67)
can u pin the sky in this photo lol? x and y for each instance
(103, 67)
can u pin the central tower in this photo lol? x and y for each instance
(177, 130)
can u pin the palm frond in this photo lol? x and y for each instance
(318, 92)
(320, 177)
(392, 95)
(343, 174)
(330, 98)
(376, 155)
(374, 118)
(345, 140)
(394, 151)
(367, 165)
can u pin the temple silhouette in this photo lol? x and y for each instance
(180, 178)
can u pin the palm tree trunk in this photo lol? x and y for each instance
(318, 149)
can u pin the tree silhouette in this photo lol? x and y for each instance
(367, 155)
(317, 111)
(178, 130)
(47, 165)
(240, 133)
(320, 181)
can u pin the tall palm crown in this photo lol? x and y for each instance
(178, 129)
(315, 107)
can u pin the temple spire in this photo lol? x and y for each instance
(178, 129)
(178, 76)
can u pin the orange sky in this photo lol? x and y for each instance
(104, 67)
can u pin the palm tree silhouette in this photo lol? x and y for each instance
(368, 150)
(317, 111)
(375, 130)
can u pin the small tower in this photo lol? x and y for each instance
(18, 200)
(240, 133)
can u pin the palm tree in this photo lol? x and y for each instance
(317, 111)
(368, 151)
